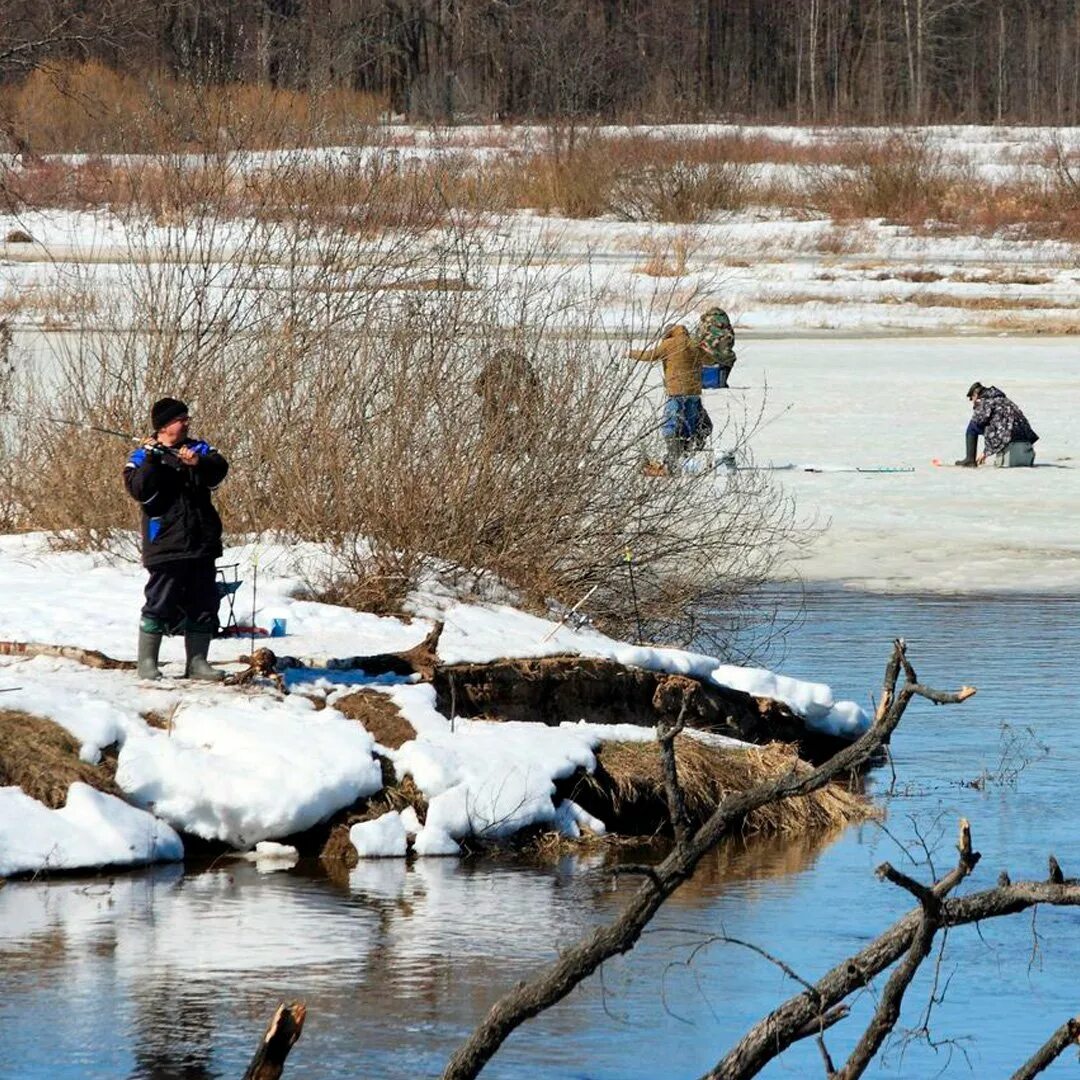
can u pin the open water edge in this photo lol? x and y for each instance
(164, 974)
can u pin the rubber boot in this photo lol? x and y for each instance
(197, 645)
(969, 460)
(149, 649)
(675, 451)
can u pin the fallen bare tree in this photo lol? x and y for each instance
(909, 940)
(578, 962)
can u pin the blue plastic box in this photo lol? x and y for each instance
(712, 377)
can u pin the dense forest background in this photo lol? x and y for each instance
(802, 61)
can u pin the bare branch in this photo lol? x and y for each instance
(917, 889)
(577, 963)
(887, 1012)
(776, 1032)
(1067, 1035)
(665, 736)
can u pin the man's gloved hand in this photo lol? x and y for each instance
(163, 455)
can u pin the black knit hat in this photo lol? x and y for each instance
(973, 389)
(165, 411)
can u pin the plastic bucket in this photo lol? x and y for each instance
(712, 377)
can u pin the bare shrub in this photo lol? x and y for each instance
(349, 410)
(680, 192)
(578, 186)
(901, 178)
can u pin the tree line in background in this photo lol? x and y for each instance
(801, 61)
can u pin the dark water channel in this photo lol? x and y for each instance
(165, 974)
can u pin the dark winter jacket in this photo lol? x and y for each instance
(998, 421)
(508, 386)
(178, 518)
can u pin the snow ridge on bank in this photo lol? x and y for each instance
(247, 766)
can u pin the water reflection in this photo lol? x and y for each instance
(173, 1031)
(192, 964)
(166, 974)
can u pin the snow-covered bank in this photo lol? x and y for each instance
(242, 766)
(92, 829)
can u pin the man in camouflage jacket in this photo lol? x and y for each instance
(1006, 433)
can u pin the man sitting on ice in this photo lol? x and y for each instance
(1004, 428)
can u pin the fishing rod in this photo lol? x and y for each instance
(127, 435)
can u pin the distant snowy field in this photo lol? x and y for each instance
(900, 403)
(774, 272)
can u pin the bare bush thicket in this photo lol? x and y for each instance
(335, 364)
(90, 107)
(901, 177)
(682, 192)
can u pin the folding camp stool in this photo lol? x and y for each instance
(228, 581)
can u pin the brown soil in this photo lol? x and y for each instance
(554, 689)
(40, 757)
(379, 716)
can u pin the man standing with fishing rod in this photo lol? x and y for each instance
(172, 476)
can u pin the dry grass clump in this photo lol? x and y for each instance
(667, 259)
(379, 716)
(40, 757)
(396, 795)
(50, 307)
(630, 776)
(916, 277)
(1000, 276)
(979, 303)
(838, 240)
(1010, 324)
(338, 849)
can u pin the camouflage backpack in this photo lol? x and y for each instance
(716, 338)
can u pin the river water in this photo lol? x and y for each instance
(165, 974)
